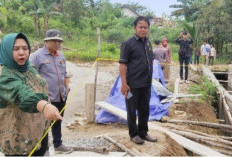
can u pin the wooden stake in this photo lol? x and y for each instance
(98, 55)
(227, 110)
(176, 90)
(89, 103)
(220, 105)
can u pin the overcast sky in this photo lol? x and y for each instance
(157, 6)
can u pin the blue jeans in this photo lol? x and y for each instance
(196, 59)
(191, 59)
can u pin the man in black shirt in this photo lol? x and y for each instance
(184, 54)
(136, 76)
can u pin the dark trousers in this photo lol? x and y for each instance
(191, 59)
(211, 60)
(56, 128)
(41, 151)
(196, 60)
(184, 60)
(138, 102)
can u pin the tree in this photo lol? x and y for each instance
(7, 9)
(45, 9)
(214, 25)
(188, 9)
(140, 9)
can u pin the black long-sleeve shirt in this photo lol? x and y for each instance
(138, 56)
(185, 49)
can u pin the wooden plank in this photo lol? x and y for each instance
(112, 109)
(230, 76)
(227, 110)
(123, 147)
(225, 127)
(173, 97)
(176, 89)
(184, 95)
(184, 142)
(220, 106)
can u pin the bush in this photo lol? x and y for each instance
(108, 48)
(27, 25)
(159, 33)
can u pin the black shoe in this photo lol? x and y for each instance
(149, 138)
(137, 140)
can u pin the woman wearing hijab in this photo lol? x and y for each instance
(168, 59)
(24, 106)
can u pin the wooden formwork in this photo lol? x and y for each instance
(224, 97)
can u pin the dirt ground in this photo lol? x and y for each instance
(74, 120)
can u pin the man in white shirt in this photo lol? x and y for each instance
(205, 50)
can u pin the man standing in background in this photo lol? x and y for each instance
(51, 65)
(212, 54)
(184, 54)
(196, 55)
(168, 59)
(205, 50)
(160, 54)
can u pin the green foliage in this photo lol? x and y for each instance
(207, 89)
(140, 9)
(174, 48)
(26, 23)
(79, 19)
(108, 48)
(87, 50)
(73, 10)
(159, 33)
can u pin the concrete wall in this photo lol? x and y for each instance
(230, 76)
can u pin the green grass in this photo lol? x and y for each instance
(174, 48)
(208, 91)
(86, 50)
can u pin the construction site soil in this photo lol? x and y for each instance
(76, 128)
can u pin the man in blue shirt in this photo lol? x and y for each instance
(51, 65)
